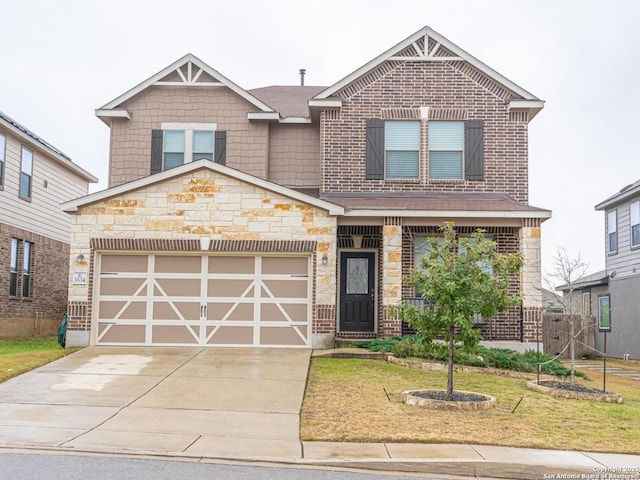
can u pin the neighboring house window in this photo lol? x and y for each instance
(402, 150)
(446, 147)
(3, 148)
(177, 144)
(13, 268)
(634, 215)
(612, 234)
(26, 171)
(586, 303)
(27, 257)
(604, 313)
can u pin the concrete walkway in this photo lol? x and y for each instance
(231, 404)
(598, 366)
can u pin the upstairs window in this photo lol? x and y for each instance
(402, 150)
(446, 147)
(612, 234)
(634, 216)
(3, 148)
(26, 172)
(177, 144)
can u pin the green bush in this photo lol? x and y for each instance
(413, 346)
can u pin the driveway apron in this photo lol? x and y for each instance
(214, 402)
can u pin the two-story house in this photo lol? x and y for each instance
(288, 215)
(35, 178)
(619, 308)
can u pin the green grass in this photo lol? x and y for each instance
(20, 355)
(346, 400)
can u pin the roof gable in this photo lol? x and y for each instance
(74, 205)
(188, 71)
(626, 193)
(427, 45)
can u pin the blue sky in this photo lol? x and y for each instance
(61, 60)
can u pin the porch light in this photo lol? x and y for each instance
(80, 258)
(357, 241)
(325, 260)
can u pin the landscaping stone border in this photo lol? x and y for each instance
(596, 396)
(412, 397)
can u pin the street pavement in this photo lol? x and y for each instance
(231, 404)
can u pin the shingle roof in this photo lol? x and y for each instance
(288, 101)
(35, 137)
(591, 280)
(431, 201)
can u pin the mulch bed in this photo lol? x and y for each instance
(457, 396)
(570, 388)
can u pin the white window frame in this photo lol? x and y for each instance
(634, 216)
(612, 229)
(402, 149)
(461, 149)
(27, 262)
(13, 266)
(188, 129)
(28, 174)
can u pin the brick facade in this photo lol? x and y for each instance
(450, 95)
(42, 311)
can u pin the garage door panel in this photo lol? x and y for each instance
(124, 263)
(231, 336)
(122, 334)
(204, 299)
(177, 287)
(285, 289)
(285, 265)
(229, 288)
(177, 264)
(230, 311)
(232, 265)
(175, 334)
(122, 286)
(283, 312)
(282, 336)
(167, 311)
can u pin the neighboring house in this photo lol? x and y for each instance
(35, 177)
(551, 303)
(622, 247)
(288, 215)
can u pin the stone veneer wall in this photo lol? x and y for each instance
(212, 205)
(398, 92)
(42, 311)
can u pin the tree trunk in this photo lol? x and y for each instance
(452, 342)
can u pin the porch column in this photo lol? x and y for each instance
(391, 276)
(531, 280)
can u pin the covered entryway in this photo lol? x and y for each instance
(225, 300)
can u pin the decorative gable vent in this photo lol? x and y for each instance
(189, 74)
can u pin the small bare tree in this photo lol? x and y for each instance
(569, 271)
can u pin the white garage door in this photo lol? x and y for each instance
(252, 300)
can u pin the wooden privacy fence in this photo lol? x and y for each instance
(555, 334)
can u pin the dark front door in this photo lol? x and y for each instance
(357, 291)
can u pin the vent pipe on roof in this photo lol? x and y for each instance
(302, 72)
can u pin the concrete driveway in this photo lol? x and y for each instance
(213, 402)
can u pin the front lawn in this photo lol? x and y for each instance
(346, 400)
(20, 355)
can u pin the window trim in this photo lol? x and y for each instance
(29, 175)
(188, 129)
(461, 150)
(614, 232)
(27, 269)
(635, 203)
(3, 157)
(14, 256)
(586, 307)
(400, 149)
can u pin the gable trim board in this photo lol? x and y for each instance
(74, 205)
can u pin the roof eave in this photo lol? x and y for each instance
(400, 212)
(618, 198)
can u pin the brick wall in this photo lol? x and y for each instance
(130, 156)
(450, 94)
(41, 313)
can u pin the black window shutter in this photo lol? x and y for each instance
(156, 151)
(221, 147)
(375, 149)
(474, 149)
